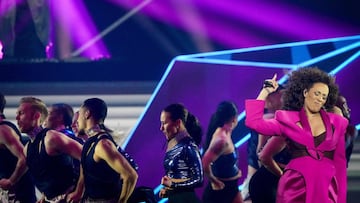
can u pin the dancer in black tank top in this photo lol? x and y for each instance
(15, 182)
(49, 154)
(102, 163)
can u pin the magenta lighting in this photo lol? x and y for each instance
(74, 28)
(1, 53)
(233, 22)
(7, 6)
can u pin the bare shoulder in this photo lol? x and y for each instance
(57, 139)
(53, 135)
(105, 149)
(53, 142)
(219, 145)
(7, 134)
(105, 145)
(6, 129)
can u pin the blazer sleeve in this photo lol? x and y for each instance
(254, 119)
(340, 162)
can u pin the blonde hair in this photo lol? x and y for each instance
(37, 105)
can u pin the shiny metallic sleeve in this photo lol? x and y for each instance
(191, 168)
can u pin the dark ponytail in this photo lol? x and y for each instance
(192, 125)
(225, 112)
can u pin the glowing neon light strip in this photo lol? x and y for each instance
(158, 188)
(275, 46)
(330, 54)
(163, 200)
(345, 63)
(271, 65)
(233, 62)
(241, 116)
(358, 126)
(241, 186)
(243, 140)
(299, 54)
(167, 71)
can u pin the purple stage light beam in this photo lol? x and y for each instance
(283, 18)
(244, 18)
(1, 51)
(7, 5)
(110, 28)
(76, 21)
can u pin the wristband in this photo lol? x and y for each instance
(268, 83)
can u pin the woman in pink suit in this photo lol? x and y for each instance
(317, 171)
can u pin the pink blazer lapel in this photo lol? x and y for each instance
(328, 128)
(289, 121)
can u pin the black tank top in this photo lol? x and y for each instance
(101, 181)
(24, 189)
(226, 166)
(53, 175)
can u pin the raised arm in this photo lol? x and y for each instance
(255, 111)
(269, 86)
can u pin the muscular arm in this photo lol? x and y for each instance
(271, 148)
(10, 139)
(59, 143)
(106, 150)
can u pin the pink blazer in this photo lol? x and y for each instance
(285, 123)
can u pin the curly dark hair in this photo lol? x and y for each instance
(305, 78)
